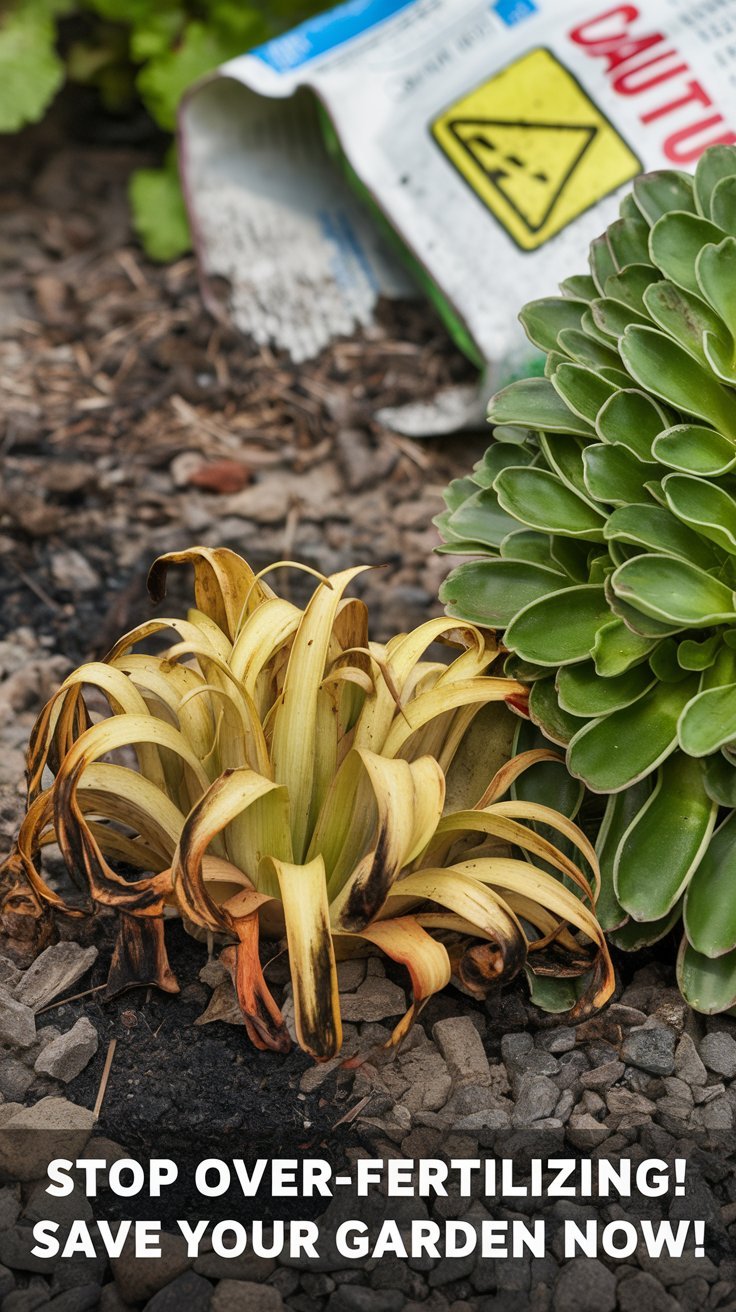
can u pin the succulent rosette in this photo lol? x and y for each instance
(602, 522)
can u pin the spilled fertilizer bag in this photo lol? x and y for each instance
(472, 148)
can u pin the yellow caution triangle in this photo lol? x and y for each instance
(529, 164)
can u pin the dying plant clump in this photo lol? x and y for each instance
(275, 774)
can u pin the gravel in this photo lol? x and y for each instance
(718, 1052)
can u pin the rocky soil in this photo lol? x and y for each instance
(646, 1078)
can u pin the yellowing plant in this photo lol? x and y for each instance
(293, 779)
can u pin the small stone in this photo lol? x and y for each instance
(33, 1136)
(718, 1051)
(376, 999)
(626, 1102)
(585, 1132)
(15, 1078)
(7, 1279)
(248, 1266)
(602, 1077)
(9, 973)
(110, 1300)
(688, 1065)
(355, 1298)
(536, 1098)
(490, 1119)
(17, 1022)
(66, 1057)
(515, 1046)
(188, 1293)
(80, 1298)
(560, 1039)
(54, 971)
(642, 1290)
(429, 1080)
(714, 1115)
(139, 1278)
(462, 1048)
(651, 1048)
(16, 1246)
(245, 1296)
(585, 1284)
(350, 974)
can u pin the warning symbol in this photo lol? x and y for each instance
(534, 147)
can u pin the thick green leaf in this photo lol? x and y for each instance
(665, 842)
(675, 242)
(658, 193)
(564, 455)
(621, 810)
(584, 692)
(657, 529)
(617, 649)
(709, 721)
(664, 664)
(582, 390)
(588, 351)
(724, 205)
(707, 984)
(695, 450)
(636, 618)
(591, 329)
(458, 492)
(538, 499)
(666, 369)
(499, 456)
(705, 507)
(674, 591)
(534, 403)
(683, 316)
(560, 628)
(552, 994)
(632, 936)
(632, 419)
(716, 273)
(720, 780)
(715, 164)
(612, 753)
(601, 262)
(698, 655)
(630, 285)
(628, 241)
(548, 715)
(614, 475)
(491, 592)
(544, 320)
(547, 782)
(579, 287)
(720, 354)
(613, 317)
(481, 519)
(525, 544)
(571, 556)
(710, 905)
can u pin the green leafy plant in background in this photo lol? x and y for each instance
(603, 522)
(150, 50)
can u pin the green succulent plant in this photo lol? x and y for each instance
(603, 525)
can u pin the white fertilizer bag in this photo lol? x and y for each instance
(472, 147)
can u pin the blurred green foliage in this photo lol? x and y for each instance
(130, 51)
